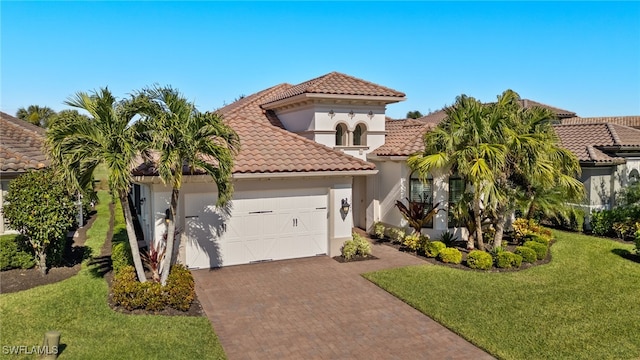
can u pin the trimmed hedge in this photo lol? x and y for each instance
(527, 253)
(539, 238)
(478, 259)
(433, 248)
(131, 294)
(540, 249)
(450, 255)
(507, 260)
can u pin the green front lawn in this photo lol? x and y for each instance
(77, 307)
(584, 304)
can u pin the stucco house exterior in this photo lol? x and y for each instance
(609, 156)
(321, 157)
(21, 149)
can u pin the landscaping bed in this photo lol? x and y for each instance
(341, 259)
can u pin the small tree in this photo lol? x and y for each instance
(414, 114)
(39, 206)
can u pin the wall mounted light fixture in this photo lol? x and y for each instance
(332, 113)
(351, 114)
(167, 215)
(345, 206)
(370, 114)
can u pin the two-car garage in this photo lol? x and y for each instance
(257, 226)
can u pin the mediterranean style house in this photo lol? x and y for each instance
(20, 150)
(316, 160)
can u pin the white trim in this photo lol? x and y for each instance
(351, 98)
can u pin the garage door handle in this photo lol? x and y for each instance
(191, 217)
(260, 212)
(322, 208)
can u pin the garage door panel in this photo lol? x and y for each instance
(266, 225)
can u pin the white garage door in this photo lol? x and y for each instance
(260, 226)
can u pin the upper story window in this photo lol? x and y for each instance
(421, 191)
(359, 135)
(634, 176)
(341, 135)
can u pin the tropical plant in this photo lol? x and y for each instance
(110, 136)
(397, 234)
(35, 114)
(153, 258)
(186, 142)
(448, 238)
(379, 229)
(39, 206)
(417, 213)
(356, 246)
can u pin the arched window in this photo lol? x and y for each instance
(341, 135)
(634, 176)
(421, 191)
(359, 135)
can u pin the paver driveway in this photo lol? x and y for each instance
(317, 308)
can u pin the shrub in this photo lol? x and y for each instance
(356, 246)
(539, 239)
(131, 294)
(450, 255)
(507, 259)
(637, 238)
(39, 206)
(448, 238)
(521, 229)
(120, 255)
(415, 241)
(478, 259)
(527, 253)
(180, 288)
(603, 222)
(14, 254)
(540, 249)
(379, 230)
(433, 248)
(397, 234)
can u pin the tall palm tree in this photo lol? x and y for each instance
(78, 144)
(187, 141)
(465, 143)
(35, 114)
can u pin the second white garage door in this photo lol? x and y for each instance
(261, 226)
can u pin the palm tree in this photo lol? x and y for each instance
(186, 141)
(465, 143)
(37, 115)
(78, 144)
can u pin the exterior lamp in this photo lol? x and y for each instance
(351, 114)
(370, 114)
(167, 215)
(345, 206)
(332, 113)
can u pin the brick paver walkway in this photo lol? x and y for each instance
(317, 308)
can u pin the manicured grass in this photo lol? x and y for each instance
(584, 304)
(77, 307)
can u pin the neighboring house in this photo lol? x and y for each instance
(299, 178)
(609, 156)
(21, 149)
(630, 121)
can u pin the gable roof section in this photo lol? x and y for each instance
(631, 121)
(336, 83)
(590, 142)
(21, 145)
(266, 147)
(560, 113)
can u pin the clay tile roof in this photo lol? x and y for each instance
(404, 137)
(336, 83)
(631, 121)
(561, 113)
(21, 145)
(587, 141)
(266, 147)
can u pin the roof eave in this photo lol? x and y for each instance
(339, 97)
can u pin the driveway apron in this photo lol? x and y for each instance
(317, 308)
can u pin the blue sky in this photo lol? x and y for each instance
(580, 56)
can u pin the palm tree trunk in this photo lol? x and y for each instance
(133, 240)
(530, 209)
(171, 234)
(478, 220)
(500, 222)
